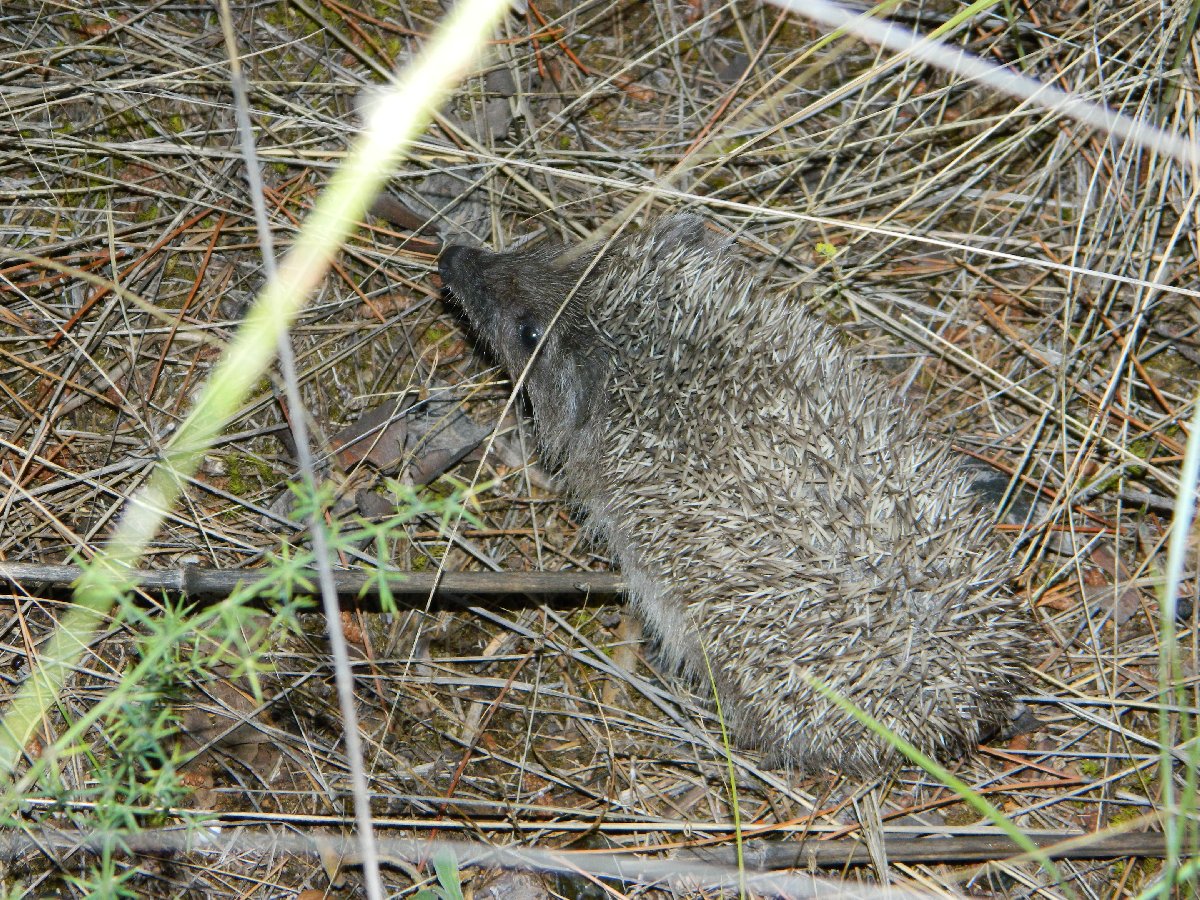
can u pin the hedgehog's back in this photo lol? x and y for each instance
(779, 506)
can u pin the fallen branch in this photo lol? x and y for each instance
(408, 588)
(760, 856)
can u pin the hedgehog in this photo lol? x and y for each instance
(786, 524)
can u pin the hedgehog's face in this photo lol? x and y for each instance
(529, 305)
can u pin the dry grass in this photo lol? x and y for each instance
(1033, 285)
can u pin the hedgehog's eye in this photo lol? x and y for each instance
(531, 333)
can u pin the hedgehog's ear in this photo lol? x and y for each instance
(572, 263)
(563, 257)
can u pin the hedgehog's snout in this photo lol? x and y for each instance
(455, 265)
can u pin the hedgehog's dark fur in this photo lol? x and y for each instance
(771, 500)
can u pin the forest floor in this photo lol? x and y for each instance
(1031, 284)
